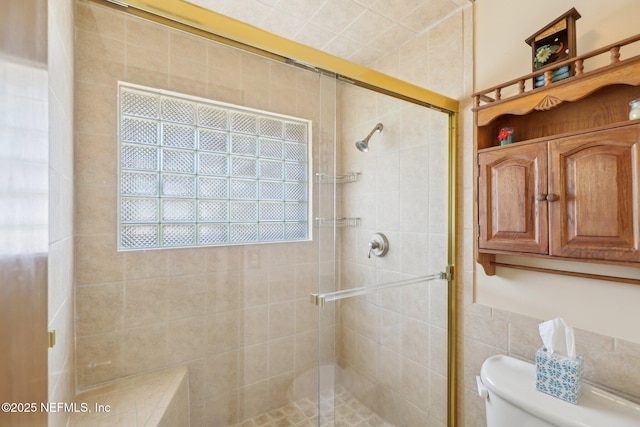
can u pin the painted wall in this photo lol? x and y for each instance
(501, 26)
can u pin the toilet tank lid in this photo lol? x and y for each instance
(514, 381)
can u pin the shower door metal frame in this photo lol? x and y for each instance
(214, 26)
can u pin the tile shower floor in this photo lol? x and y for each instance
(349, 412)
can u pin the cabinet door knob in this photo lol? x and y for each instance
(541, 197)
(552, 197)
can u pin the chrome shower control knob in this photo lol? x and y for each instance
(379, 245)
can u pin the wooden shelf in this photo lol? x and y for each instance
(568, 90)
(583, 115)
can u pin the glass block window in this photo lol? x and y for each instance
(195, 172)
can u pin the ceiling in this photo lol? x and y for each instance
(360, 31)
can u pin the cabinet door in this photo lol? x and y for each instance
(509, 184)
(595, 178)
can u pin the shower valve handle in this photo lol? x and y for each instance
(379, 245)
(372, 245)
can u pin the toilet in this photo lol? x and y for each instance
(511, 399)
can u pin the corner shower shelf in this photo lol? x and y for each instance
(338, 222)
(322, 178)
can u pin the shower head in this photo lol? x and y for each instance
(364, 144)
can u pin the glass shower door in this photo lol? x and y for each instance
(383, 321)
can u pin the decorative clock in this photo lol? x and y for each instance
(555, 42)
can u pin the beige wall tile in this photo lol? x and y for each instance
(306, 353)
(625, 376)
(254, 326)
(227, 289)
(147, 66)
(145, 264)
(187, 296)
(389, 369)
(438, 300)
(95, 161)
(491, 331)
(254, 400)
(254, 364)
(99, 308)
(143, 349)
(221, 332)
(415, 382)
(217, 259)
(306, 278)
(279, 388)
(438, 340)
(367, 356)
(197, 378)
(256, 288)
(281, 319)
(222, 372)
(97, 358)
(282, 284)
(100, 20)
(222, 409)
(224, 83)
(281, 356)
(145, 302)
(98, 212)
(185, 338)
(197, 413)
(188, 48)
(472, 412)
(186, 261)
(415, 341)
(524, 336)
(615, 370)
(144, 33)
(98, 60)
(187, 77)
(95, 101)
(97, 260)
(306, 316)
(221, 56)
(438, 396)
(60, 292)
(475, 353)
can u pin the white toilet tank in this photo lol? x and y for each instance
(509, 387)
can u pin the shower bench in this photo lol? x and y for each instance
(157, 399)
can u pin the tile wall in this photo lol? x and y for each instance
(60, 287)
(239, 317)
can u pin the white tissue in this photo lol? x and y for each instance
(558, 338)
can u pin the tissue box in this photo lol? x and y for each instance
(559, 376)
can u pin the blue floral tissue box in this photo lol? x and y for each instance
(559, 376)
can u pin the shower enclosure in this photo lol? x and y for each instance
(317, 332)
(383, 320)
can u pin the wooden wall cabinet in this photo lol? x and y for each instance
(572, 197)
(569, 188)
(510, 216)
